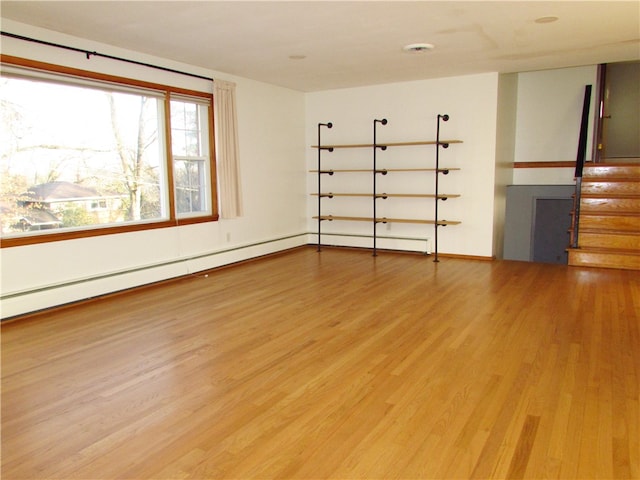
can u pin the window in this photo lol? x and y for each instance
(190, 146)
(83, 155)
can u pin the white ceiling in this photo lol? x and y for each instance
(348, 44)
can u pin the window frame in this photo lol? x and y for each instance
(174, 219)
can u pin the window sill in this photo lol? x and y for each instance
(96, 232)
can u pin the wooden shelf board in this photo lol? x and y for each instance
(441, 169)
(393, 144)
(330, 194)
(380, 195)
(387, 220)
(383, 170)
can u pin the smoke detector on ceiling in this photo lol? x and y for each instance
(418, 47)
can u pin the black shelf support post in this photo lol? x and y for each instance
(444, 118)
(375, 172)
(320, 148)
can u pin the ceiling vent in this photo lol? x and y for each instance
(418, 47)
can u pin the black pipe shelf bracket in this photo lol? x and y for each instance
(444, 118)
(320, 173)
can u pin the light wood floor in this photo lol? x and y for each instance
(334, 365)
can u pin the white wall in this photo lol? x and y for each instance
(548, 119)
(271, 131)
(411, 109)
(505, 153)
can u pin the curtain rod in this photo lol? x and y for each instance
(89, 54)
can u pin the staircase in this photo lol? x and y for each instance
(609, 223)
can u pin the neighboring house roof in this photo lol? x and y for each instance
(5, 209)
(61, 191)
(39, 216)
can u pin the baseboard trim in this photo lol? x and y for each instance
(467, 257)
(173, 268)
(440, 254)
(159, 283)
(138, 288)
(412, 244)
(142, 268)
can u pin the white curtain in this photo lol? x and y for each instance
(227, 149)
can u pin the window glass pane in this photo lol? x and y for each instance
(189, 177)
(74, 156)
(185, 128)
(189, 137)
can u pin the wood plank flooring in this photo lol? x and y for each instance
(335, 365)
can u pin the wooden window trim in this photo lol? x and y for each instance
(558, 164)
(77, 72)
(172, 221)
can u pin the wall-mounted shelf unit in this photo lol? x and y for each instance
(374, 194)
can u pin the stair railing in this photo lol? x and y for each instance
(580, 159)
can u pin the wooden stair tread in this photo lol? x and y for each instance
(612, 170)
(619, 251)
(609, 239)
(611, 162)
(612, 195)
(606, 193)
(610, 179)
(610, 188)
(608, 213)
(387, 220)
(600, 257)
(609, 196)
(613, 205)
(608, 231)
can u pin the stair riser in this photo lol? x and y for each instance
(611, 204)
(609, 240)
(606, 260)
(611, 222)
(626, 171)
(601, 188)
